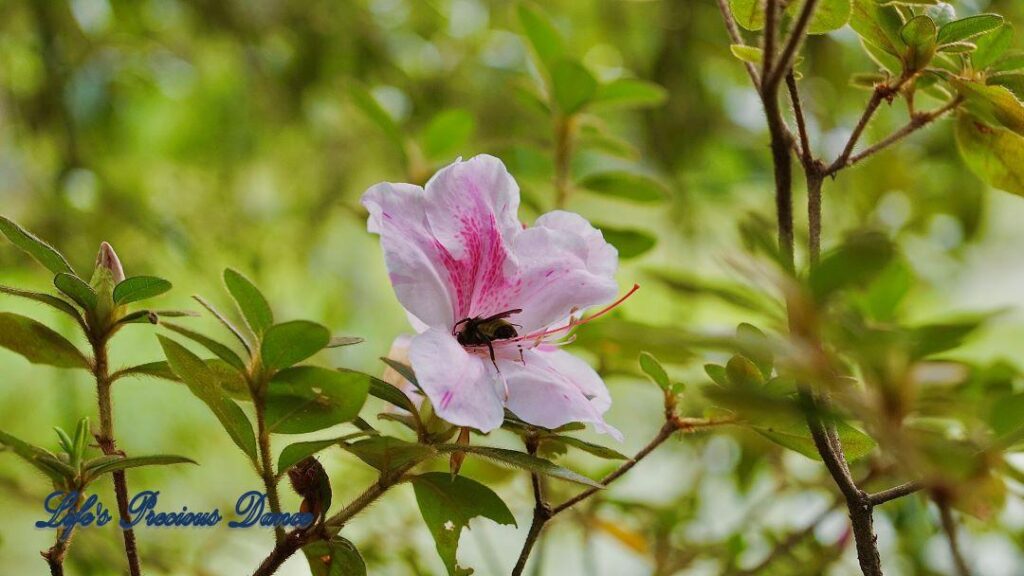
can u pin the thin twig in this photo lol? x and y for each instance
(949, 526)
(917, 121)
(737, 38)
(771, 28)
(541, 513)
(879, 498)
(796, 38)
(801, 119)
(783, 548)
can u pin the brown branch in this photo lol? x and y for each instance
(737, 38)
(801, 120)
(541, 513)
(917, 121)
(949, 526)
(771, 25)
(793, 43)
(879, 498)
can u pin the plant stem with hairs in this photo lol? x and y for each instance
(266, 463)
(105, 438)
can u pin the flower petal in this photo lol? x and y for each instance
(568, 266)
(472, 211)
(461, 386)
(551, 388)
(419, 278)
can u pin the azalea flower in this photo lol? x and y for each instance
(456, 252)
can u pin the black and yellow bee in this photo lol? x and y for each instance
(483, 331)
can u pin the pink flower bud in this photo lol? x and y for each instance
(107, 258)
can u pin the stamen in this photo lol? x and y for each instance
(574, 323)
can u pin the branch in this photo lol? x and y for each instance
(541, 513)
(801, 120)
(917, 121)
(879, 498)
(737, 38)
(783, 547)
(793, 43)
(771, 24)
(949, 526)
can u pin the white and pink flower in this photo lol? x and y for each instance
(456, 250)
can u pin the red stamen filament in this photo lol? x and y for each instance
(572, 324)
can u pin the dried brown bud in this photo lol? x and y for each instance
(310, 481)
(456, 459)
(107, 258)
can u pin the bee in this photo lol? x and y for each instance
(483, 331)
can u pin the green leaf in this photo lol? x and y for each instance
(250, 301)
(289, 343)
(829, 15)
(629, 243)
(595, 449)
(853, 264)
(124, 462)
(299, 451)
(404, 370)
(47, 299)
(625, 184)
(572, 86)
(139, 288)
(389, 454)
(717, 374)
(992, 47)
(1012, 61)
(755, 346)
(650, 365)
(41, 459)
(37, 343)
(391, 394)
(205, 385)
(225, 322)
(958, 48)
(42, 252)
(220, 350)
(744, 53)
(967, 28)
(748, 13)
(629, 93)
(308, 398)
(521, 461)
(447, 134)
(1012, 82)
(340, 341)
(743, 373)
(995, 104)
(879, 25)
(919, 35)
(546, 41)
(448, 503)
(75, 288)
(995, 154)
(336, 557)
(794, 434)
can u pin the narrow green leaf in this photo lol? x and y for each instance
(655, 371)
(203, 382)
(405, 371)
(308, 398)
(220, 350)
(521, 461)
(139, 288)
(625, 184)
(748, 13)
(140, 317)
(75, 288)
(37, 343)
(223, 320)
(39, 458)
(39, 250)
(968, 28)
(47, 299)
(299, 451)
(958, 48)
(250, 301)
(795, 435)
(448, 503)
(125, 462)
(340, 341)
(66, 443)
(391, 394)
(389, 454)
(572, 86)
(546, 41)
(629, 93)
(231, 381)
(595, 449)
(289, 343)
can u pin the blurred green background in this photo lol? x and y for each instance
(197, 134)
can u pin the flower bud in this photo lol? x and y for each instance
(107, 258)
(310, 481)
